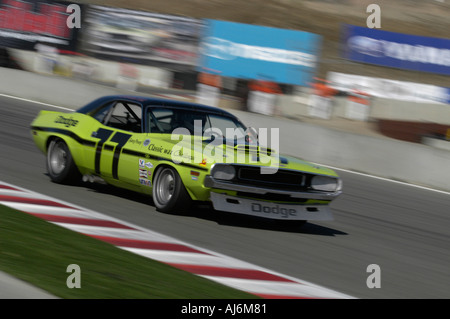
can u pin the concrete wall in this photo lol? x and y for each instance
(410, 111)
(96, 69)
(438, 143)
(297, 106)
(415, 163)
(51, 89)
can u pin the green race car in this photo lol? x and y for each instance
(181, 152)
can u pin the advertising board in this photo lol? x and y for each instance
(396, 50)
(141, 37)
(389, 89)
(26, 23)
(256, 52)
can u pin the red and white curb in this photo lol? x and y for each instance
(208, 264)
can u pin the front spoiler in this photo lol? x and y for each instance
(233, 204)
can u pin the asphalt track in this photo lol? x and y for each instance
(403, 229)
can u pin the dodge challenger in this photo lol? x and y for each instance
(180, 153)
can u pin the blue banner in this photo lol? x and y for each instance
(396, 50)
(255, 52)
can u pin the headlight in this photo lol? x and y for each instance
(226, 172)
(326, 184)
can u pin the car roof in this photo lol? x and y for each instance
(144, 100)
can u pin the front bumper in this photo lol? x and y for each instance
(214, 183)
(233, 204)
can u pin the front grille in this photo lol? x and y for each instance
(281, 179)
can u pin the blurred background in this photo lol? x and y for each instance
(314, 61)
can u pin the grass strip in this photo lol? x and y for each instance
(39, 252)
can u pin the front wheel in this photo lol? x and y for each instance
(169, 193)
(60, 165)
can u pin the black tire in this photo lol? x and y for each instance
(169, 193)
(60, 165)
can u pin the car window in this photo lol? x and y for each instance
(101, 113)
(121, 115)
(227, 127)
(166, 119)
(159, 120)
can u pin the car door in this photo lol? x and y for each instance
(119, 128)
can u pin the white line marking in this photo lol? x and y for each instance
(189, 258)
(278, 288)
(385, 179)
(48, 210)
(35, 102)
(21, 194)
(120, 233)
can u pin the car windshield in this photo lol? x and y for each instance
(191, 122)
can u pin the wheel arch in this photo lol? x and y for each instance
(70, 173)
(175, 167)
(75, 151)
(51, 138)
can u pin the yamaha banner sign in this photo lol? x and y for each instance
(396, 50)
(255, 52)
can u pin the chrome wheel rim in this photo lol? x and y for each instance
(165, 186)
(58, 158)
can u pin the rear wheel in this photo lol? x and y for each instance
(60, 165)
(169, 193)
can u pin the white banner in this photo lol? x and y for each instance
(390, 89)
(261, 102)
(207, 95)
(357, 111)
(320, 106)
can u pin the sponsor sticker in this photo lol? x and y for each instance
(147, 142)
(195, 175)
(149, 165)
(145, 182)
(141, 163)
(143, 173)
(135, 141)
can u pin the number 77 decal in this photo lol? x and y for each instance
(117, 137)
